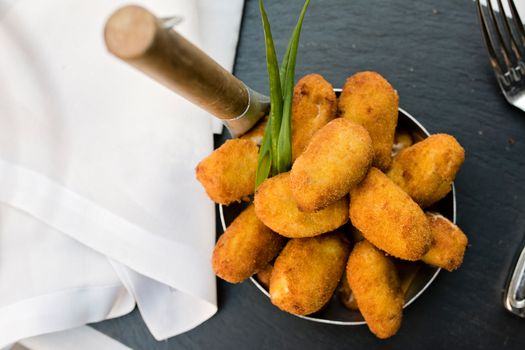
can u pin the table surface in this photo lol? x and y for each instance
(432, 53)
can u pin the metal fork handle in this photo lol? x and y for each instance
(514, 302)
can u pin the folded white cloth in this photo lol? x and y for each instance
(99, 203)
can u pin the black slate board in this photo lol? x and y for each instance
(433, 55)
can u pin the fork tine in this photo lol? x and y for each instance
(493, 57)
(505, 52)
(513, 44)
(502, 47)
(517, 21)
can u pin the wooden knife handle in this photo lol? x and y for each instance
(136, 36)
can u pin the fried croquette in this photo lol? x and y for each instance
(368, 99)
(314, 104)
(263, 276)
(448, 243)
(389, 218)
(426, 169)
(245, 248)
(307, 272)
(337, 159)
(276, 208)
(375, 283)
(406, 270)
(228, 174)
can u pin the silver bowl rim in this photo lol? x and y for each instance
(357, 323)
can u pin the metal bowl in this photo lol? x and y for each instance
(334, 312)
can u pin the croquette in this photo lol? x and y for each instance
(276, 208)
(246, 247)
(307, 272)
(448, 243)
(389, 218)
(406, 270)
(337, 159)
(314, 104)
(376, 287)
(368, 99)
(228, 174)
(426, 169)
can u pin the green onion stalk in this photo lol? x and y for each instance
(275, 154)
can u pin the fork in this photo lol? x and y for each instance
(505, 41)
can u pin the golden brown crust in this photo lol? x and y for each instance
(336, 160)
(368, 99)
(389, 218)
(375, 283)
(314, 104)
(448, 243)
(307, 272)
(276, 208)
(246, 247)
(426, 169)
(228, 174)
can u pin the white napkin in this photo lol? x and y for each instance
(99, 203)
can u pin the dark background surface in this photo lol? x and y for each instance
(432, 53)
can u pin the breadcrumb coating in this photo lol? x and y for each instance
(276, 208)
(426, 169)
(375, 284)
(314, 104)
(336, 160)
(389, 218)
(228, 173)
(368, 99)
(307, 272)
(448, 243)
(246, 247)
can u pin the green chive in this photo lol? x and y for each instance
(275, 154)
(264, 163)
(276, 97)
(283, 157)
(284, 64)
